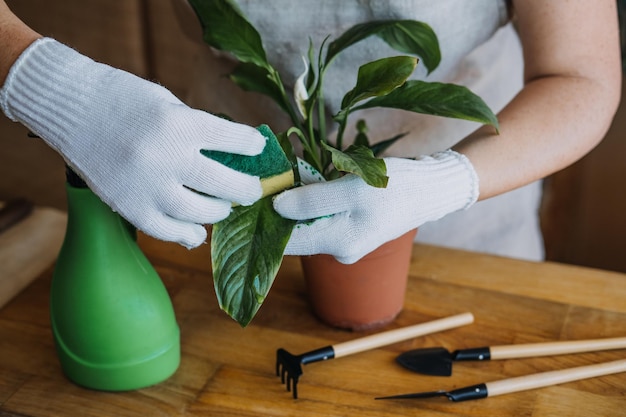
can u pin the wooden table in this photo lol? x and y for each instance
(229, 371)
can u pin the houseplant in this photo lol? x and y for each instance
(245, 261)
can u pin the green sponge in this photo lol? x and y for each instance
(271, 165)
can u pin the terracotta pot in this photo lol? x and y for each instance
(362, 296)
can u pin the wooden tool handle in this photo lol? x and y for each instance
(556, 348)
(546, 379)
(398, 335)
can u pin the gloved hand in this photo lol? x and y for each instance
(133, 142)
(353, 218)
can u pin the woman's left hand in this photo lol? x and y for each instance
(353, 218)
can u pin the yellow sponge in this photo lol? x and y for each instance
(271, 165)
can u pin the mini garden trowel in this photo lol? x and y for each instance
(438, 361)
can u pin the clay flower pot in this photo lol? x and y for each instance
(362, 296)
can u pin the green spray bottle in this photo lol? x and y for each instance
(113, 322)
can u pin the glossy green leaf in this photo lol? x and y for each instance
(287, 147)
(439, 99)
(379, 77)
(379, 147)
(415, 38)
(246, 253)
(225, 28)
(408, 36)
(311, 76)
(361, 161)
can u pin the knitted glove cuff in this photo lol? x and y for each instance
(53, 90)
(462, 175)
(42, 91)
(437, 184)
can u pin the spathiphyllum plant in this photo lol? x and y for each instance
(247, 247)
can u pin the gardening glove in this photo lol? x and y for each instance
(308, 174)
(134, 143)
(353, 218)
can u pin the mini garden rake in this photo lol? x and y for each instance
(289, 366)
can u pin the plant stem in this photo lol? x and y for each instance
(290, 110)
(321, 123)
(321, 110)
(342, 128)
(308, 143)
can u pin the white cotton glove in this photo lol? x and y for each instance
(134, 143)
(353, 218)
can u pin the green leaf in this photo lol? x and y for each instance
(246, 252)
(310, 79)
(360, 160)
(415, 38)
(379, 77)
(225, 28)
(380, 147)
(251, 77)
(287, 147)
(408, 36)
(439, 99)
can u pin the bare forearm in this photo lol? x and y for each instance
(15, 36)
(552, 123)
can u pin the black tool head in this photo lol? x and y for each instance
(472, 392)
(435, 361)
(415, 395)
(289, 368)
